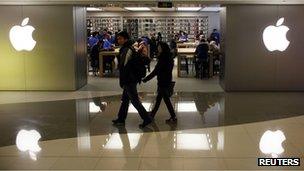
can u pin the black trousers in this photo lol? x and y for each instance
(163, 93)
(130, 94)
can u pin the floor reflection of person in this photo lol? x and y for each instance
(102, 105)
(206, 101)
(201, 59)
(126, 144)
(163, 71)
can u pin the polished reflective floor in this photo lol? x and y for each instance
(214, 131)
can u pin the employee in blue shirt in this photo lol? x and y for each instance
(93, 40)
(107, 45)
(215, 36)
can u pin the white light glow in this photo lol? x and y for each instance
(93, 108)
(274, 37)
(138, 8)
(187, 141)
(220, 140)
(211, 9)
(93, 9)
(146, 105)
(188, 8)
(28, 141)
(21, 36)
(186, 106)
(271, 142)
(115, 142)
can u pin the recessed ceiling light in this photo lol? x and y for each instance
(188, 8)
(138, 8)
(211, 9)
(93, 9)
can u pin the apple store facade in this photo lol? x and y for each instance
(43, 44)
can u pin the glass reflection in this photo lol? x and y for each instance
(185, 106)
(114, 141)
(27, 141)
(271, 143)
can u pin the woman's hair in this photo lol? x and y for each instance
(165, 48)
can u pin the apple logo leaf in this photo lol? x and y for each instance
(25, 21)
(280, 21)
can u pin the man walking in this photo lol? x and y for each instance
(128, 81)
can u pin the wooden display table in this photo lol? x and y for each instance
(189, 53)
(106, 53)
(186, 45)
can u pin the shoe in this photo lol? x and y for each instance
(171, 120)
(118, 122)
(145, 123)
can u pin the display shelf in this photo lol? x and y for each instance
(113, 24)
(144, 26)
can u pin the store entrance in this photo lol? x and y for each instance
(188, 29)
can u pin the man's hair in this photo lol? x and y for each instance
(124, 34)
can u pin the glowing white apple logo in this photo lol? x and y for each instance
(28, 141)
(271, 142)
(274, 37)
(21, 36)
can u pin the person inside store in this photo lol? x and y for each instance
(112, 39)
(141, 47)
(94, 57)
(159, 37)
(115, 38)
(198, 36)
(102, 33)
(107, 45)
(183, 37)
(215, 51)
(201, 59)
(107, 60)
(143, 50)
(163, 71)
(93, 39)
(145, 46)
(153, 45)
(128, 79)
(215, 36)
(173, 45)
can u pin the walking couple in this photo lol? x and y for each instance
(130, 76)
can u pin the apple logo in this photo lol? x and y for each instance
(28, 141)
(21, 36)
(271, 142)
(274, 37)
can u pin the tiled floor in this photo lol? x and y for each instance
(215, 131)
(230, 147)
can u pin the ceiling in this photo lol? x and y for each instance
(197, 8)
(98, 2)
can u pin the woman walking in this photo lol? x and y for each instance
(163, 71)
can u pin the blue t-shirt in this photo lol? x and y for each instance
(92, 41)
(107, 44)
